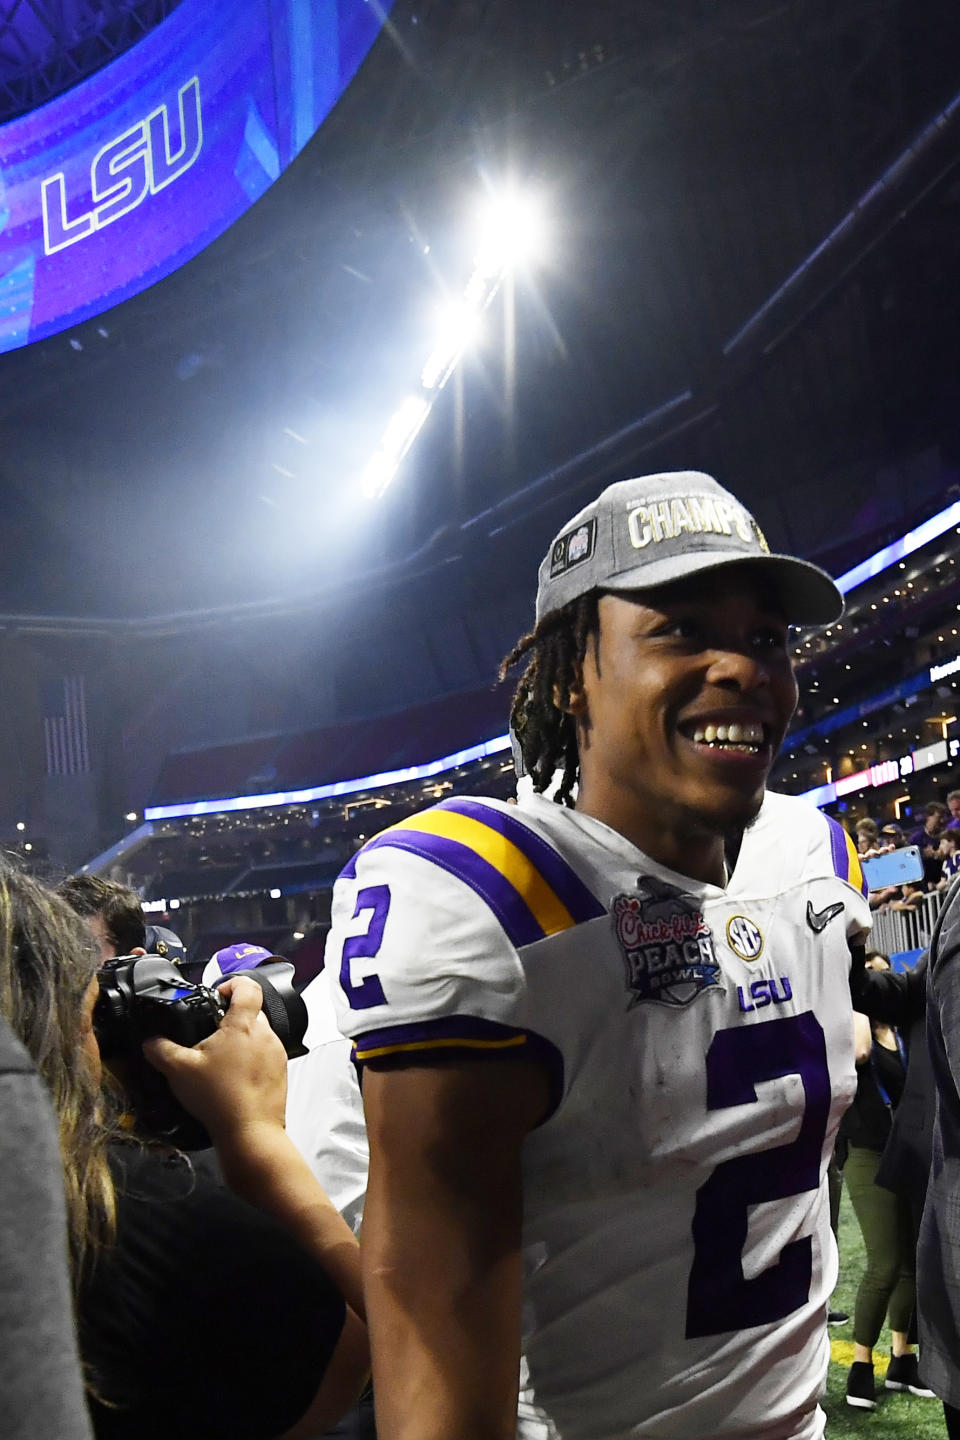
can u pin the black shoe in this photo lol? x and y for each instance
(837, 1317)
(903, 1374)
(860, 1388)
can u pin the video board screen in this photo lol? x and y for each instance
(119, 181)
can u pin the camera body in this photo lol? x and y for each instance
(146, 995)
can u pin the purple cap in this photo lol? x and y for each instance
(240, 957)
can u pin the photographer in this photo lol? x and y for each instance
(112, 912)
(202, 1311)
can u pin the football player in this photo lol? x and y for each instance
(606, 1038)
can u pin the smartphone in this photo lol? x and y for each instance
(893, 869)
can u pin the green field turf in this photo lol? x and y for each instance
(896, 1415)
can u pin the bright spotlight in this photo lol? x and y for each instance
(377, 474)
(404, 426)
(459, 327)
(512, 232)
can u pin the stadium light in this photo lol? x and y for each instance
(459, 327)
(378, 473)
(228, 804)
(405, 425)
(895, 553)
(511, 231)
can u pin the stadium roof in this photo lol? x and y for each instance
(755, 216)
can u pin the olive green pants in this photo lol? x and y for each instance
(888, 1283)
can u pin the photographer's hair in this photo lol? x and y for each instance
(545, 730)
(117, 905)
(47, 961)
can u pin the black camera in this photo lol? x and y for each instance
(146, 995)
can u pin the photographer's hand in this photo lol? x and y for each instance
(235, 1078)
(235, 1083)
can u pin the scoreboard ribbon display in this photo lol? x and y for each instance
(119, 181)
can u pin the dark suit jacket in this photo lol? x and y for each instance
(938, 1253)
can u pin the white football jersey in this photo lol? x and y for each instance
(678, 1256)
(324, 1115)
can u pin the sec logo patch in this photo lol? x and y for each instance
(744, 938)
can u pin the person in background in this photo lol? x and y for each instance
(882, 844)
(867, 833)
(113, 913)
(927, 837)
(177, 1277)
(892, 834)
(950, 854)
(888, 1281)
(953, 805)
(41, 1387)
(910, 896)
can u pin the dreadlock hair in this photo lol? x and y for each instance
(545, 731)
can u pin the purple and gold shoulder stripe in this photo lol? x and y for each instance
(846, 861)
(464, 1036)
(527, 885)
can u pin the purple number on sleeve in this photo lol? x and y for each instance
(719, 1297)
(369, 992)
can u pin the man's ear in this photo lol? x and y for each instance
(576, 700)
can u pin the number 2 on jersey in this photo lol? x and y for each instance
(369, 992)
(719, 1296)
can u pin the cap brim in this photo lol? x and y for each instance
(808, 594)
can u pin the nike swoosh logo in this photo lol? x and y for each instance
(819, 919)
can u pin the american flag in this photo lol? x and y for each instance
(65, 727)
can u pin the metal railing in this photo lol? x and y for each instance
(897, 930)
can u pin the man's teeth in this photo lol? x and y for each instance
(748, 736)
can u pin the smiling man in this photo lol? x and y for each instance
(606, 1040)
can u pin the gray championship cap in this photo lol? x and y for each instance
(660, 528)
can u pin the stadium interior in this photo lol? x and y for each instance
(739, 233)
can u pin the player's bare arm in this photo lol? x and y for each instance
(441, 1248)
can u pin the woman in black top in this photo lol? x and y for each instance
(204, 1311)
(888, 1284)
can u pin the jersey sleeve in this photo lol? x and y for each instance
(846, 866)
(428, 929)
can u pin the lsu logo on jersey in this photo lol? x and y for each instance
(667, 945)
